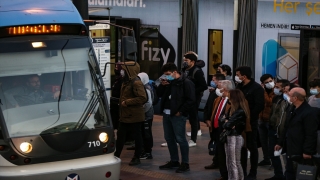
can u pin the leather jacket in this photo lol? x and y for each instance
(237, 120)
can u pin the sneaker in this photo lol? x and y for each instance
(146, 156)
(170, 165)
(198, 134)
(165, 144)
(191, 143)
(134, 161)
(264, 163)
(184, 167)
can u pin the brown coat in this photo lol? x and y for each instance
(266, 112)
(134, 97)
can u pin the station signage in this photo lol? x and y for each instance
(274, 26)
(299, 26)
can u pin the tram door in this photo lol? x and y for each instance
(309, 59)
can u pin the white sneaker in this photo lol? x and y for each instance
(198, 134)
(191, 143)
(165, 144)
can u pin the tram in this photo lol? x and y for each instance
(54, 116)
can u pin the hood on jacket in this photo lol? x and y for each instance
(131, 69)
(144, 77)
(200, 63)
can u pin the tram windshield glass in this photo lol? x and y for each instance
(50, 85)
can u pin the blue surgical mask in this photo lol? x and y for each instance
(314, 92)
(170, 78)
(213, 84)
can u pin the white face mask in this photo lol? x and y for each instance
(218, 93)
(276, 91)
(237, 79)
(122, 73)
(270, 85)
(287, 98)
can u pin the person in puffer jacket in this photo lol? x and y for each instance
(146, 128)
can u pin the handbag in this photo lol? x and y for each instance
(212, 148)
(223, 136)
(306, 172)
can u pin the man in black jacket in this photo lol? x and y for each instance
(207, 113)
(177, 99)
(254, 94)
(299, 136)
(192, 70)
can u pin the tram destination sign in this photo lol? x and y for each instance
(299, 26)
(274, 26)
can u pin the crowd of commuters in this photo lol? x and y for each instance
(241, 115)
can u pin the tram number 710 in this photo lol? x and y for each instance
(94, 143)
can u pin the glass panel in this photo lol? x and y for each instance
(50, 91)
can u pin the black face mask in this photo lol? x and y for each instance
(116, 72)
(185, 65)
(218, 72)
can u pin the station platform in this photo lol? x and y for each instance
(198, 158)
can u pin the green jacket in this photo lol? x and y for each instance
(134, 97)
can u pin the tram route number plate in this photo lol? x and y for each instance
(94, 143)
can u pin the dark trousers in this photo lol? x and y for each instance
(147, 137)
(251, 144)
(276, 161)
(263, 134)
(123, 130)
(114, 112)
(193, 119)
(220, 154)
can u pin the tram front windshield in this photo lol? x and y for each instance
(49, 86)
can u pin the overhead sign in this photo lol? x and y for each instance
(99, 26)
(274, 26)
(299, 26)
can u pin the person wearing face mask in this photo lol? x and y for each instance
(254, 94)
(132, 98)
(276, 124)
(226, 71)
(207, 111)
(192, 70)
(115, 95)
(177, 99)
(299, 137)
(314, 101)
(267, 83)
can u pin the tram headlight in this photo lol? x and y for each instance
(26, 147)
(103, 137)
(38, 44)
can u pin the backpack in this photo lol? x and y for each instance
(138, 79)
(155, 97)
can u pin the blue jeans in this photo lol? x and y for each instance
(276, 161)
(174, 128)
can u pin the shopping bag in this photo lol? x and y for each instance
(306, 172)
